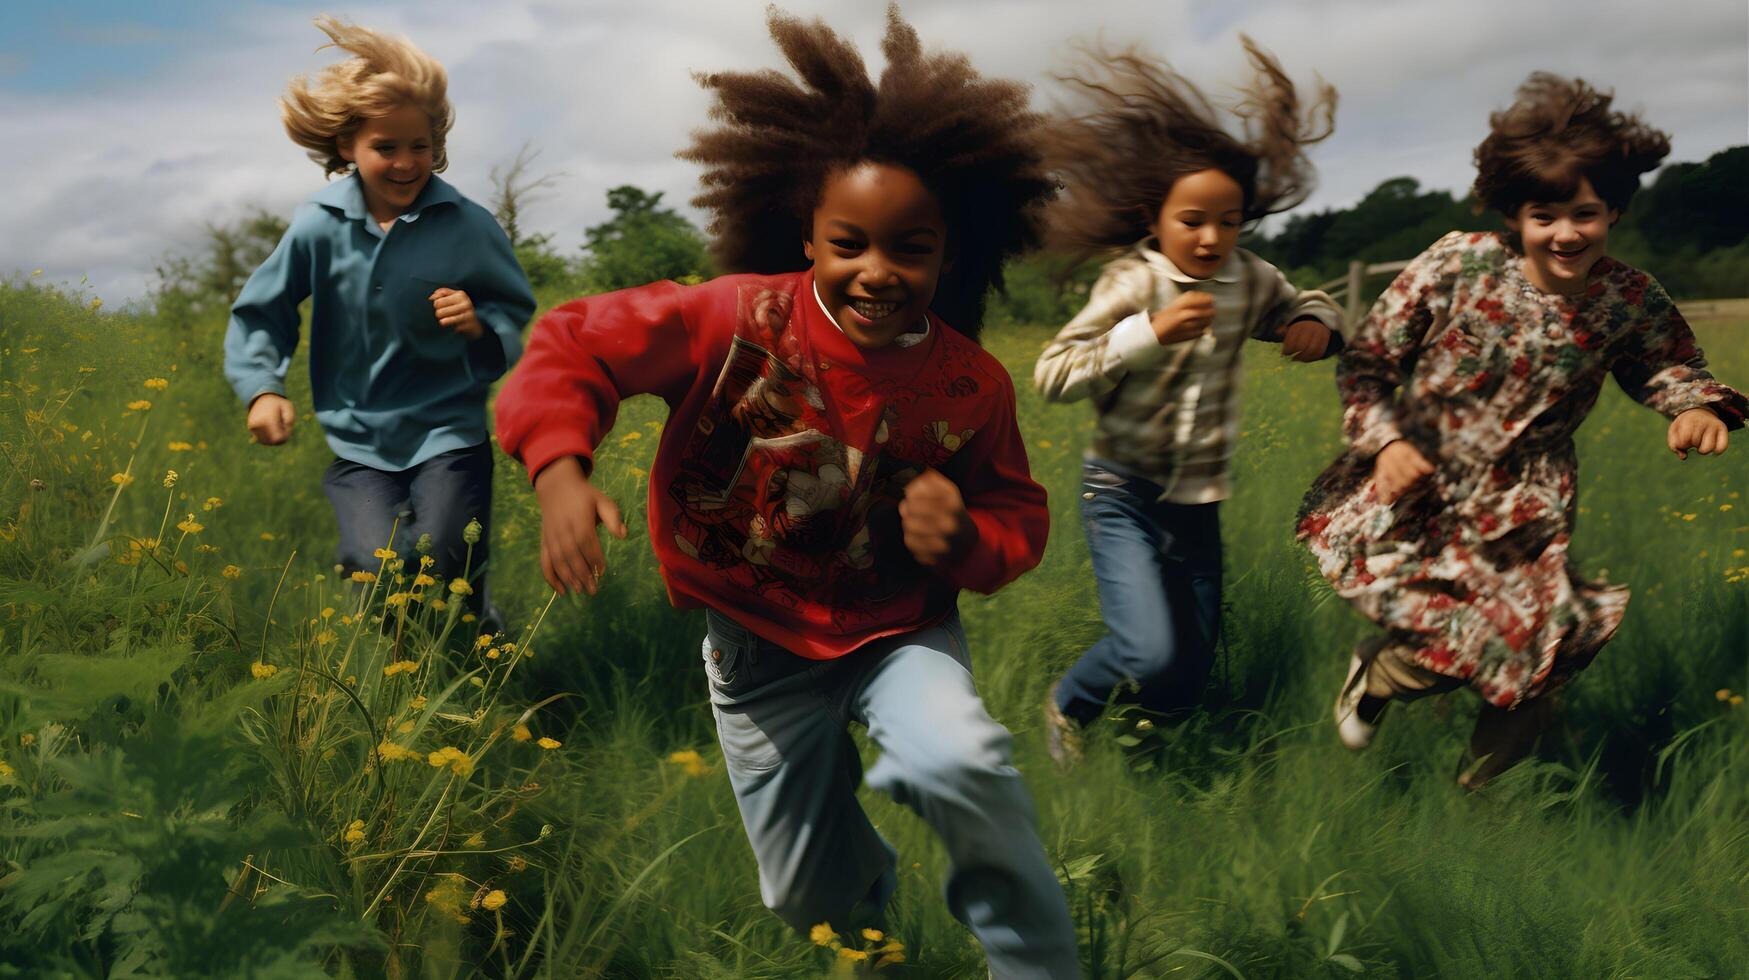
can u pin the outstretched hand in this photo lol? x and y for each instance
(570, 507)
(1699, 429)
(1305, 340)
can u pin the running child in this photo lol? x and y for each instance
(840, 460)
(1150, 173)
(1448, 519)
(417, 306)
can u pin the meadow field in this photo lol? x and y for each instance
(217, 758)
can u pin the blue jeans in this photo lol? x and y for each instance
(437, 497)
(782, 721)
(1158, 565)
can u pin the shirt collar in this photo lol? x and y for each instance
(910, 338)
(346, 195)
(1228, 272)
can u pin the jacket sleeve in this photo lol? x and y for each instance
(1386, 343)
(588, 355)
(1110, 336)
(1661, 368)
(1282, 303)
(263, 332)
(1004, 502)
(503, 300)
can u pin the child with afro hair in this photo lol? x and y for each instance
(840, 459)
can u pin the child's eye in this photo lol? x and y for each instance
(848, 244)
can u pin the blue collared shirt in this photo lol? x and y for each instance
(392, 387)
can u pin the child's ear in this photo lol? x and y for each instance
(345, 146)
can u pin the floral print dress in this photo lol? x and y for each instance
(1468, 570)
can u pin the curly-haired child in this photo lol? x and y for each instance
(840, 459)
(1447, 520)
(1149, 171)
(417, 306)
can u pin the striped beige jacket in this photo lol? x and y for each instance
(1169, 412)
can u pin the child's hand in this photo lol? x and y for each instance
(933, 515)
(1396, 468)
(570, 507)
(1306, 340)
(1188, 317)
(1700, 429)
(456, 311)
(271, 418)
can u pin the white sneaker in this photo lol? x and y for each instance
(1356, 733)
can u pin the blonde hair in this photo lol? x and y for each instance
(385, 74)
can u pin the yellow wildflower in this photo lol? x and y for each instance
(494, 900)
(5, 770)
(178, 446)
(267, 535)
(354, 832)
(397, 599)
(1722, 694)
(418, 703)
(139, 405)
(518, 863)
(364, 577)
(460, 586)
(392, 752)
(156, 384)
(521, 733)
(326, 637)
(190, 526)
(262, 671)
(1736, 699)
(547, 743)
(690, 761)
(170, 479)
(459, 762)
(426, 561)
(405, 727)
(484, 641)
(384, 553)
(212, 503)
(327, 612)
(422, 580)
(439, 605)
(492, 653)
(822, 934)
(873, 935)
(854, 955)
(232, 572)
(475, 839)
(400, 667)
(27, 740)
(121, 479)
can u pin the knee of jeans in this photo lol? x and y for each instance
(957, 759)
(1147, 655)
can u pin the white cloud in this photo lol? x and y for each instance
(108, 181)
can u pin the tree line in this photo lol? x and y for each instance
(1689, 228)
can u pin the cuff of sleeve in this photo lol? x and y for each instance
(1730, 406)
(266, 386)
(542, 449)
(980, 568)
(1133, 342)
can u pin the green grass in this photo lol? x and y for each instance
(174, 815)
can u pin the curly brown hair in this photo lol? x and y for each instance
(1556, 132)
(1137, 126)
(971, 140)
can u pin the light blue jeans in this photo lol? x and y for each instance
(782, 721)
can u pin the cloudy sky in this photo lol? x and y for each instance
(129, 126)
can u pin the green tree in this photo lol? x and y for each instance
(643, 242)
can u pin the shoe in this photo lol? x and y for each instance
(1062, 736)
(1501, 739)
(1356, 732)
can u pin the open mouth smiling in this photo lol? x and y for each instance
(870, 309)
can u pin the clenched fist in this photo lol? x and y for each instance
(1186, 318)
(455, 310)
(937, 528)
(271, 418)
(1700, 429)
(1398, 467)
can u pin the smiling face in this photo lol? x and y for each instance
(878, 243)
(1563, 240)
(393, 155)
(1198, 224)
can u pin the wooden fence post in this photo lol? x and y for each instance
(1356, 284)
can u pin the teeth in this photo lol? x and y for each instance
(873, 311)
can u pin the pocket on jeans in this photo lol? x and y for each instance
(722, 661)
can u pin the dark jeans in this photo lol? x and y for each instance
(1158, 565)
(438, 497)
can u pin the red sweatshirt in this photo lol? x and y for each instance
(774, 495)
